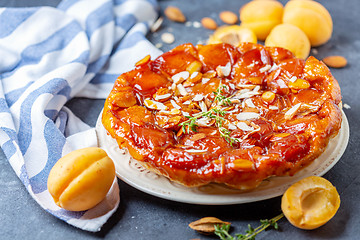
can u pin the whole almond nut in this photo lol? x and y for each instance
(228, 17)
(335, 61)
(174, 14)
(209, 23)
(206, 225)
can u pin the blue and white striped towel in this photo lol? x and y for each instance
(48, 56)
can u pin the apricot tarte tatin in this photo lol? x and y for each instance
(224, 114)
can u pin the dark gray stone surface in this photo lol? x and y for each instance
(142, 216)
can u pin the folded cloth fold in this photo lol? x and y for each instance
(50, 55)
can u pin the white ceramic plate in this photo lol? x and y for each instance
(137, 176)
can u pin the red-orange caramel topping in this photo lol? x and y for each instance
(224, 114)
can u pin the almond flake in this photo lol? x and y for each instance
(265, 68)
(154, 105)
(186, 114)
(181, 76)
(194, 74)
(232, 126)
(281, 83)
(187, 102)
(224, 71)
(203, 122)
(195, 150)
(293, 79)
(346, 106)
(196, 24)
(232, 86)
(243, 126)
(249, 103)
(243, 116)
(203, 106)
(249, 86)
(273, 108)
(157, 24)
(248, 146)
(273, 67)
(138, 86)
(198, 97)
(292, 111)
(168, 38)
(181, 89)
(256, 89)
(205, 80)
(160, 97)
(251, 65)
(174, 104)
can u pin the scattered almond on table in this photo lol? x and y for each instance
(168, 38)
(209, 23)
(174, 14)
(335, 61)
(228, 17)
(206, 225)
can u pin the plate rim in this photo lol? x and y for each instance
(193, 197)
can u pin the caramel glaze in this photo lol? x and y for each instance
(279, 146)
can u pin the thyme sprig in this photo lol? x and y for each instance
(215, 113)
(223, 231)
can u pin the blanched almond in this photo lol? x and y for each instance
(174, 14)
(335, 61)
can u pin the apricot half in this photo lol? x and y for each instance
(312, 18)
(81, 179)
(291, 38)
(233, 34)
(310, 203)
(261, 16)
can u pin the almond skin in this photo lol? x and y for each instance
(335, 61)
(209, 23)
(174, 14)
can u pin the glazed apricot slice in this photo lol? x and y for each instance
(310, 202)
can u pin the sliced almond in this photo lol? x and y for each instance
(206, 225)
(168, 38)
(180, 77)
(243, 126)
(174, 14)
(208, 23)
(154, 105)
(197, 136)
(157, 24)
(292, 111)
(224, 71)
(335, 61)
(243, 116)
(228, 17)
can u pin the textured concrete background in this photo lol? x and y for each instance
(142, 216)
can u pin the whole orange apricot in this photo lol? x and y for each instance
(312, 18)
(289, 37)
(261, 16)
(81, 179)
(310, 202)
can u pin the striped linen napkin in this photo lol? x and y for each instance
(50, 55)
